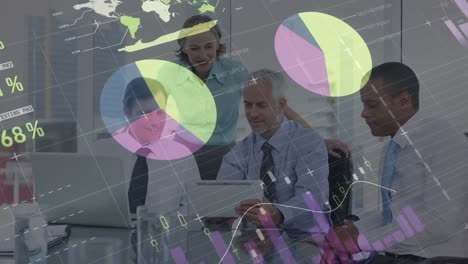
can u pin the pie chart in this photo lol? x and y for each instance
(323, 54)
(182, 122)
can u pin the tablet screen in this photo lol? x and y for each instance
(219, 198)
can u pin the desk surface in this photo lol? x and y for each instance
(113, 245)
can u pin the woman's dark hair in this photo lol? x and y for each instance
(193, 21)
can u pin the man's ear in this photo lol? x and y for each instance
(404, 100)
(283, 104)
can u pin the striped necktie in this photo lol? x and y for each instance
(268, 166)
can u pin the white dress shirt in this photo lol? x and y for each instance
(430, 181)
(166, 178)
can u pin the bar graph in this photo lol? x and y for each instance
(320, 218)
(414, 219)
(456, 33)
(460, 32)
(398, 236)
(409, 223)
(278, 242)
(464, 28)
(407, 220)
(251, 247)
(378, 246)
(463, 5)
(221, 248)
(179, 256)
(405, 226)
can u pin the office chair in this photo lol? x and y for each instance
(339, 181)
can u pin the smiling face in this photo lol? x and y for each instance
(147, 120)
(201, 51)
(383, 113)
(263, 111)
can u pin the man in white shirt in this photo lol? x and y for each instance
(423, 179)
(156, 177)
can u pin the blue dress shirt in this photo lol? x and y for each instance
(301, 165)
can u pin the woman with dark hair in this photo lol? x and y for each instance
(203, 54)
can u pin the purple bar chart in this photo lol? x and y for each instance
(464, 28)
(458, 35)
(409, 223)
(320, 218)
(280, 246)
(179, 256)
(254, 252)
(221, 248)
(460, 32)
(413, 219)
(463, 5)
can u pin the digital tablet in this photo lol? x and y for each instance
(219, 198)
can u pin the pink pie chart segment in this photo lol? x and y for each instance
(159, 132)
(302, 61)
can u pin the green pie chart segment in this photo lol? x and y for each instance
(322, 53)
(189, 102)
(184, 117)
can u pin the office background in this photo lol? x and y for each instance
(64, 85)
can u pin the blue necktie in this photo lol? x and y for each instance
(388, 171)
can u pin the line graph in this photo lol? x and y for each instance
(298, 208)
(76, 20)
(85, 35)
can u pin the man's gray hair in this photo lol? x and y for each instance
(276, 80)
